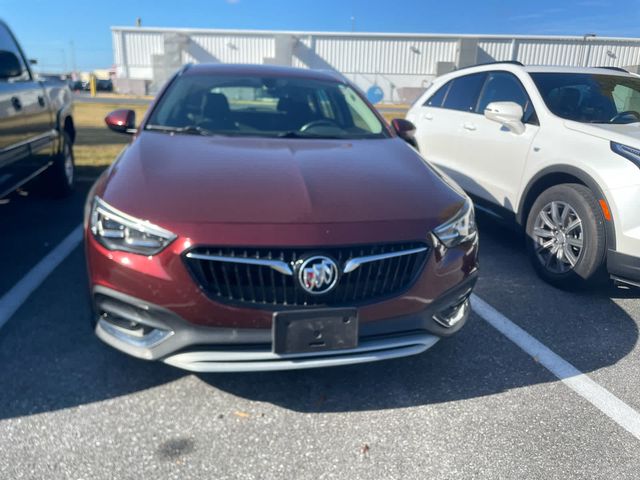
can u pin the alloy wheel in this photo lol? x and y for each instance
(558, 237)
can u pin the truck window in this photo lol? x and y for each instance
(8, 43)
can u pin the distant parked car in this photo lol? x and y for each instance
(556, 149)
(104, 86)
(267, 218)
(36, 124)
(77, 85)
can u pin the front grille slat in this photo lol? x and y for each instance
(263, 290)
(255, 285)
(227, 284)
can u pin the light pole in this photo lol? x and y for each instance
(585, 51)
(72, 48)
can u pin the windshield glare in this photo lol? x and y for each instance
(591, 98)
(266, 107)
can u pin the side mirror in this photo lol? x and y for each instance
(9, 65)
(122, 121)
(508, 114)
(405, 130)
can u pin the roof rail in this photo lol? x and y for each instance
(617, 69)
(503, 62)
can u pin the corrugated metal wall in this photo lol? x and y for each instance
(390, 61)
(229, 48)
(407, 56)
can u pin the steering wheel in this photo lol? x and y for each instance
(318, 123)
(624, 114)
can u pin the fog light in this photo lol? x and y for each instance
(454, 314)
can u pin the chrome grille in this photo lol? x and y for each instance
(266, 276)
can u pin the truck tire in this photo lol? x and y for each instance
(60, 177)
(566, 237)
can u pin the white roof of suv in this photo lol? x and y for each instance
(554, 69)
(539, 69)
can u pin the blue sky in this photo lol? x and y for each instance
(48, 28)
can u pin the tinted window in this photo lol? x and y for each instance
(266, 107)
(591, 98)
(505, 87)
(8, 44)
(464, 91)
(436, 99)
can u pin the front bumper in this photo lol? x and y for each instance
(151, 332)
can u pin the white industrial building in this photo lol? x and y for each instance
(400, 64)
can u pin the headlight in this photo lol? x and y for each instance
(116, 230)
(461, 228)
(630, 153)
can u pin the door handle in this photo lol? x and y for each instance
(427, 116)
(469, 126)
(15, 101)
(41, 101)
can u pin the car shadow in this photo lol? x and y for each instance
(51, 360)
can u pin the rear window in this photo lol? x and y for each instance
(464, 91)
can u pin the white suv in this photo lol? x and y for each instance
(556, 149)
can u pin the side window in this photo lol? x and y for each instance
(464, 91)
(437, 98)
(505, 87)
(7, 43)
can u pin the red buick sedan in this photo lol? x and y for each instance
(267, 218)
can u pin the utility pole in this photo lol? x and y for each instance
(586, 49)
(72, 48)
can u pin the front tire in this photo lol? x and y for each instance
(566, 237)
(60, 177)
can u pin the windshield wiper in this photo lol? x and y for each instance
(189, 129)
(298, 134)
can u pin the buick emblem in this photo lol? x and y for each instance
(318, 275)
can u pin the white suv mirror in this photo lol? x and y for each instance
(508, 114)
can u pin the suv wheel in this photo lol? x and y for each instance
(60, 177)
(566, 236)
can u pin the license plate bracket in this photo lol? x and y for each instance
(315, 331)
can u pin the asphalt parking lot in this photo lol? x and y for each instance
(474, 406)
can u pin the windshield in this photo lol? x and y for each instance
(266, 107)
(591, 98)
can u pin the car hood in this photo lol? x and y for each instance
(182, 179)
(627, 134)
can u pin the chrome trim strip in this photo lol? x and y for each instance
(43, 136)
(367, 351)
(277, 265)
(356, 262)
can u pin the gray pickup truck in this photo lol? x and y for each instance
(36, 124)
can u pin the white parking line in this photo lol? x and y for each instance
(14, 298)
(602, 399)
